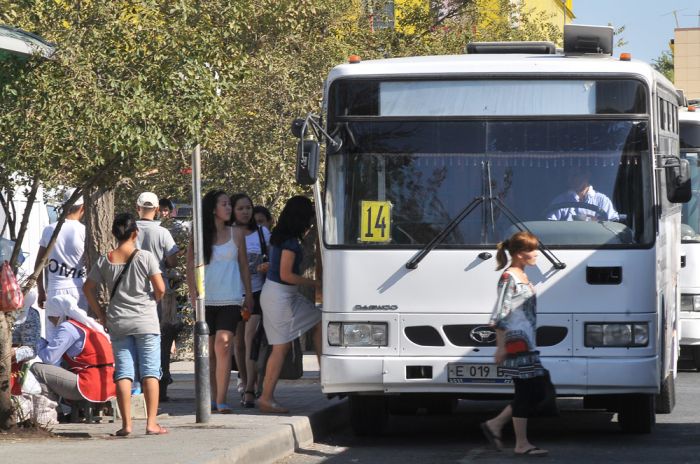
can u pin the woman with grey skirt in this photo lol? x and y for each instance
(288, 314)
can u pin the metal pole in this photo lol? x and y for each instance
(202, 390)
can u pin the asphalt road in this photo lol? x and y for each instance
(577, 436)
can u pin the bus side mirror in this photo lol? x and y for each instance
(297, 126)
(677, 180)
(307, 162)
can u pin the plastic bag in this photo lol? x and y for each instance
(11, 297)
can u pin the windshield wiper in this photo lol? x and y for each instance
(521, 226)
(413, 262)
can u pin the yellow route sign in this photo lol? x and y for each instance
(375, 221)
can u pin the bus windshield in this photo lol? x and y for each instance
(690, 150)
(574, 183)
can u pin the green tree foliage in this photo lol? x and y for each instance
(136, 84)
(664, 64)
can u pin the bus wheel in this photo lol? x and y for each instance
(666, 400)
(696, 357)
(637, 413)
(442, 405)
(368, 414)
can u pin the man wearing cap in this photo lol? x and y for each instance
(65, 268)
(158, 240)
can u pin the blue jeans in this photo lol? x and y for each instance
(143, 349)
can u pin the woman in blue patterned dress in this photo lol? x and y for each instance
(515, 320)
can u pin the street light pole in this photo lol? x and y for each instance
(202, 390)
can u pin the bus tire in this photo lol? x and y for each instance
(637, 413)
(368, 414)
(442, 406)
(696, 357)
(666, 399)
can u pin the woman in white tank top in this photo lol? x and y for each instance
(226, 281)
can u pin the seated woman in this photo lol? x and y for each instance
(26, 331)
(83, 345)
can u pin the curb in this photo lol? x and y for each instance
(281, 441)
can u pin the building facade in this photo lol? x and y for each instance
(686, 61)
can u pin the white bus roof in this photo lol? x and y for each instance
(490, 64)
(685, 115)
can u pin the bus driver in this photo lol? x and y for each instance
(581, 191)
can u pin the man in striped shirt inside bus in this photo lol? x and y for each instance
(581, 191)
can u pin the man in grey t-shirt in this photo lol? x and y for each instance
(159, 241)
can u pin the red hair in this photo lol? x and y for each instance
(518, 242)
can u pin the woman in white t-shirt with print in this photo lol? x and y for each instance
(257, 265)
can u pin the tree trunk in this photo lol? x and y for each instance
(6, 410)
(99, 215)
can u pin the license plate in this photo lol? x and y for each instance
(475, 373)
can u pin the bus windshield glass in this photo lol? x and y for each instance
(690, 150)
(574, 183)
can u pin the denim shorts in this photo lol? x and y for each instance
(141, 350)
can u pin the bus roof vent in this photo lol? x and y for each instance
(485, 48)
(579, 40)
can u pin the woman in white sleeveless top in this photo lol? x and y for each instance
(226, 280)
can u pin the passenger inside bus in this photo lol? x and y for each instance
(581, 202)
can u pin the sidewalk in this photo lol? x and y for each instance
(247, 436)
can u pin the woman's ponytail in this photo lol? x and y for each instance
(501, 257)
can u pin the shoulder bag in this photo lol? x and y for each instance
(121, 274)
(263, 245)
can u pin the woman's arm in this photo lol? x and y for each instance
(65, 337)
(500, 354)
(158, 285)
(243, 267)
(90, 291)
(287, 274)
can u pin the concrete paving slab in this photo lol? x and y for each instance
(247, 436)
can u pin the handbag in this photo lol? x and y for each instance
(11, 297)
(263, 245)
(293, 365)
(547, 406)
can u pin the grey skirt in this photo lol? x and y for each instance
(287, 314)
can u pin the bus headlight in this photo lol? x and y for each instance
(690, 302)
(357, 334)
(632, 334)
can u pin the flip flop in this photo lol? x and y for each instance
(534, 452)
(495, 440)
(121, 433)
(272, 408)
(223, 408)
(160, 431)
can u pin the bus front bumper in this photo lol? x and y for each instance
(571, 376)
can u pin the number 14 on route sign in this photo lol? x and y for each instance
(375, 221)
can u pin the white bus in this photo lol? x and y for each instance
(431, 161)
(690, 238)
